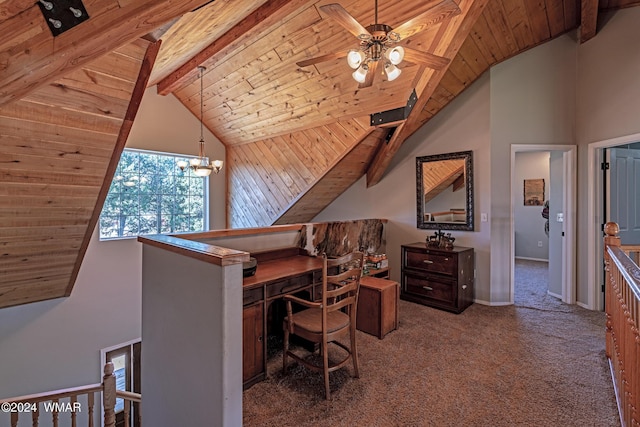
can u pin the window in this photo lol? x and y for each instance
(149, 194)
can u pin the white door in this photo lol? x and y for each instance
(624, 193)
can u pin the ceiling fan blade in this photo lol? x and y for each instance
(322, 58)
(434, 15)
(373, 66)
(429, 59)
(342, 17)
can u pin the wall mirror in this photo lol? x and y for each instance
(444, 189)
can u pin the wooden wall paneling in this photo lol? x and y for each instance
(295, 158)
(47, 58)
(537, 14)
(337, 179)
(279, 168)
(485, 40)
(40, 121)
(471, 55)
(60, 96)
(250, 181)
(288, 164)
(462, 71)
(516, 15)
(268, 180)
(265, 18)
(497, 23)
(571, 13)
(194, 31)
(555, 15)
(10, 8)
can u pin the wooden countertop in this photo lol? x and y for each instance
(281, 268)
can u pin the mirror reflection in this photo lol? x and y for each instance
(444, 187)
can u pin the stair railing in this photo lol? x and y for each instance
(622, 306)
(69, 401)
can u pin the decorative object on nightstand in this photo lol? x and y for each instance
(438, 277)
(440, 240)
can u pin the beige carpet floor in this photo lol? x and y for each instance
(537, 363)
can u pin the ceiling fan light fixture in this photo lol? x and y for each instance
(355, 58)
(392, 71)
(360, 75)
(395, 55)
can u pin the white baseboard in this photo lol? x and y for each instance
(583, 305)
(553, 294)
(491, 304)
(532, 259)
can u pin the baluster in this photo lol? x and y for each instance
(109, 395)
(73, 400)
(35, 415)
(90, 404)
(54, 413)
(127, 411)
(14, 419)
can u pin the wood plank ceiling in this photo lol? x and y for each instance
(296, 137)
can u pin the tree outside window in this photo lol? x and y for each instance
(149, 194)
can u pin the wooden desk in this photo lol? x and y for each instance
(274, 278)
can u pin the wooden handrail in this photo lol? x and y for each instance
(622, 302)
(51, 402)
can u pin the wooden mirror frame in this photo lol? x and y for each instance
(468, 184)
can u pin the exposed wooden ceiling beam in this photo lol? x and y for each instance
(454, 33)
(263, 17)
(33, 48)
(588, 19)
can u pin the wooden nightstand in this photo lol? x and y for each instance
(378, 306)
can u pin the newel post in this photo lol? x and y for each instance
(109, 395)
(611, 238)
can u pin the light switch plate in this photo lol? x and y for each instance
(483, 217)
(559, 217)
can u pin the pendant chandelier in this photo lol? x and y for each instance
(200, 165)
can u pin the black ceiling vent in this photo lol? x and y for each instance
(395, 115)
(62, 15)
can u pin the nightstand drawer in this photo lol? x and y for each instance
(444, 291)
(431, 262)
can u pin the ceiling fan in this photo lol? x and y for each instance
(379, 42)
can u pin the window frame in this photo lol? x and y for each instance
(176, 157)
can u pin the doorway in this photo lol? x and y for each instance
(596, 195)
(561, 241)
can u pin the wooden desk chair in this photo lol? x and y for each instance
(330, 318)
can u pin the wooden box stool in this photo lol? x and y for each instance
(377, 306)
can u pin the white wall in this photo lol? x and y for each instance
(462, 125)
(56, 344)
(529, 223)
(608, 106)
(192, 341)
(532, 102)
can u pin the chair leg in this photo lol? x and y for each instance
(325, 361)
(354, 349)
(285, 350)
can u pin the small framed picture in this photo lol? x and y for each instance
(533, 192)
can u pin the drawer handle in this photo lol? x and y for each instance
(464, 287)
(427, 261)
(427, 288)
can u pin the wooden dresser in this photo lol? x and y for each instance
(439, 278)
